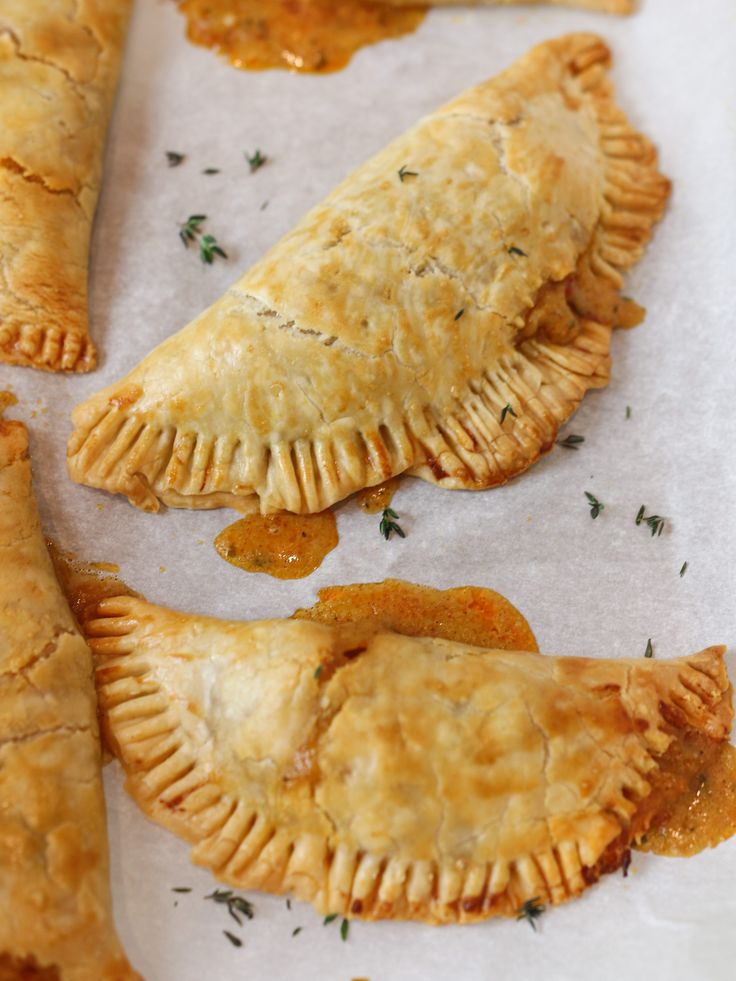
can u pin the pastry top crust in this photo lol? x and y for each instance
(58, 70)
(55, 908)
(382, 775)
(388, 330)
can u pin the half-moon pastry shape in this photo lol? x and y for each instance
(379, 775)
(468, 267)
(59, 63)
(55, 907)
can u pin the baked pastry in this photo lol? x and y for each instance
(58, 70)
(607, 6)
(55, 908)
(380, 775)
(442, 312)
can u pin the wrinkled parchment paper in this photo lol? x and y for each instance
(598, 587)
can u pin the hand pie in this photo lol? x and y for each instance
(442, 312)
(379, 775)
(58, 70)
(55, 909)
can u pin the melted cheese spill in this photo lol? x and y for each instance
(301, 35)
(469, 614)
(283, 545)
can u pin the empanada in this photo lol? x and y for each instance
(379, 775)
(607, 6)
(55, 907)
(58, 71)
(442, 312)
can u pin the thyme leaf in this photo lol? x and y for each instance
(174, 159)
(654, 522)
(513, 250)
(404, 173)
(507, 410)
(235, 941)
(571, 442)
(256, 161)
(683, 570)
(329, 918)
(237, 906)
(181, 889)
(317, 673)
(649, 652)
(208, 249)
(596, 506)
(344, 929)
(626, 862)
(211, 170)
(530, 911)
(388, 524)
(296, 931)
(459, 314)
(628, 411)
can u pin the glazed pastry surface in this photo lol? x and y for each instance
(471, 266)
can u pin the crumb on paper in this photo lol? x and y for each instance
(100, 507)
(162, 568)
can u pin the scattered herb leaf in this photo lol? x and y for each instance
(596, 506)
(460, 312)
(174, 159)
(683, 570)
(388, 524)
(296, 931)
(513, 250)
(211, 170)
(235, 904)
(288, 901)
(507, 410)
(181, 889)
(654, 522)
(264, 205)
(571, 442)
(208, 249)
(189, 229)
(628, 411)
(256, 161)
(404, 173)
(649, 652)
(235, 941)
(626, 862)
(344, 929)
(317, 673)
(531, 910)
(329, 918)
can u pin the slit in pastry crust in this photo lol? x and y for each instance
(55, 907)
(383, 776)
(59, 63)
(387, 332)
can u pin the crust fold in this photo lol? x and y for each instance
(274, 798)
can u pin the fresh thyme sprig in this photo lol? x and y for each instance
(235, 904)
(174, 159)
(507, 410)
(654, 522)
(596, 506)
(191, 231)
(514, 250)
(256, 161)
(404, 172)
(649, 652)
(530, 911)
(388, 524)
(571, 442)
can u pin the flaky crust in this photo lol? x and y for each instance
(379, 775)
(59, 64)
(390, 329)
(55, 908)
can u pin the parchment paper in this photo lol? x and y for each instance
(588, 587)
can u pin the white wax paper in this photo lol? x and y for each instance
(598, 587)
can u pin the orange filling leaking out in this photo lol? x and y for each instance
(283, 545)
(375, 499)
(468, 614)
(300, 35)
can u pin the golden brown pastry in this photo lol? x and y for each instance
(442, 312)
(379, 775)
(58, 70)
(55, 908)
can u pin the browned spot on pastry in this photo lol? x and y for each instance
(356, 907)
(128, 396)
(301, 35)
(469, 614)
(286, 546)
(14, 969)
